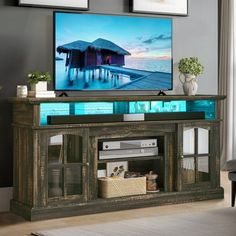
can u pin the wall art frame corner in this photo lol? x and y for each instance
(82, 5)
(160, 7)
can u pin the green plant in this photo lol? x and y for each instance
(35, 76)
(191, 66)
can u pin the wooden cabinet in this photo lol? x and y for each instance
(198, 152)
(56, 167)
(64, 165)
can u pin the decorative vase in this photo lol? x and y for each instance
(39, 87)
(190, 85)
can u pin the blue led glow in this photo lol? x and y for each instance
(90, 108)
(157, 106)
(53, 109)
(207, 106)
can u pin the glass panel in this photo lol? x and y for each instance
(73, 180)
(207, 106)
(203, 141)
(74, 149)
(85, 108)
(203, 173)
(188, 141)
(125, 107)
(52, 109)
(139, 107)
(188, 172)
(55, 149)
(55, 182)
(157, 106)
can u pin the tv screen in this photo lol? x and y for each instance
(112, 52)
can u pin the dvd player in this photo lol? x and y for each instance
(127, 153)
(128, 144)
(127, 148)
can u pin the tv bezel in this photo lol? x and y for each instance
(110, 91)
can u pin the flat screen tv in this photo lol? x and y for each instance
(94, 52)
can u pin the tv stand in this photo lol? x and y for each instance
(58, 167)
(161, 93)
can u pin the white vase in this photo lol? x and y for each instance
(190, 85)
(40, 86)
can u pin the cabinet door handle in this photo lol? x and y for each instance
(86, 164)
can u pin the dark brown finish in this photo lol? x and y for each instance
(91, 98)
(47, 186)
(116, 204)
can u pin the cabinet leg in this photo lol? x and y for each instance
(233, 193)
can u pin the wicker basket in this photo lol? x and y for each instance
(118, 187)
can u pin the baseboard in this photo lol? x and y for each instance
(5, 197)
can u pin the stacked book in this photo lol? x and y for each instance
(42, 94)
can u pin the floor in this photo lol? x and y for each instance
(11, 225)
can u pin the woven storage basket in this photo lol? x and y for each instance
(118, 187)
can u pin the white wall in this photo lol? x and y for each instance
(197, 35)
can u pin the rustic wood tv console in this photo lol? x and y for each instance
(56, 166)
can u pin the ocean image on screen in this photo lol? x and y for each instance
(107, 52)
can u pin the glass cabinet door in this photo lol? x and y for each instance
(196, 156)
(66, 166)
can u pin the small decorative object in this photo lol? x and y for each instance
(101, 173)
(190, 68)
(117, 168)
(167, 7)
(151, 182)
(79, 4)
(129, 174)
(38, 80)
(21, 91)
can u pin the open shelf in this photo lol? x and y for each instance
(161, 156)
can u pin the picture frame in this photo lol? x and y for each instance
(160, 7)
(117, 168)
(69, 4)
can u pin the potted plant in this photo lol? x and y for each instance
(190, 68)
(38, 80)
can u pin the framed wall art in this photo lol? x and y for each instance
(117, 168)
(166, 7)
(71, 4)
